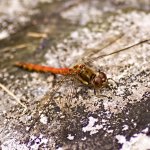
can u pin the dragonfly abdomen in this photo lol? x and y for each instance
(39, 68)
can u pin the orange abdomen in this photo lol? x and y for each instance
(35, 67)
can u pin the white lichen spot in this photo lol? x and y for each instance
(74, 35)
(29, 117)
(110, 131)
(70, 137)
(91, 128)
(43, 119)
(125, 127)
(27, 128)
(121, 139)
(84, 138)
(137, 142)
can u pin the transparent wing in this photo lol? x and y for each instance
(106, 42)
(114, 44)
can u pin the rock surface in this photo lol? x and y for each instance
(64, 115)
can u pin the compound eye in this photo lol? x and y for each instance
(97, 81)
(102, 76)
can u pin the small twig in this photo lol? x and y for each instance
(37, 35)
(11, 94)
(14, 48)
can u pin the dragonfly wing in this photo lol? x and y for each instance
(106, 42)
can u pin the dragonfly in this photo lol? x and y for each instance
(81, 72)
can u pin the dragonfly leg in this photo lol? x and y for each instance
(112, 85)
(99, 95)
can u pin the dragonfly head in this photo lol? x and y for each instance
(100, 80)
